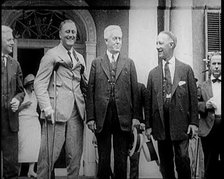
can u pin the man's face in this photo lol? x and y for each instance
(216, 65)
(7, 42)
(164, 46)
(68, 35)
(114, 42)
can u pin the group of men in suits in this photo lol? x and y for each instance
(113, 106)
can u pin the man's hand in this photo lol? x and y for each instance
(92, 125)
(148, 133)
(210, 104)
(192, 131)
(142, 126)
(49, 114)
(27, 104)
(14, 104)
(135, 123)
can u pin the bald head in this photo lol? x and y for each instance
(165, 44)
(171, 36)
(112, 30)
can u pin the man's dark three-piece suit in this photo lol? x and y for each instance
(112, 104)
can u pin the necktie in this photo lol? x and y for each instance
(168, 82)
(113, 62)
(216, 80)
(113, 65)
(69, 54)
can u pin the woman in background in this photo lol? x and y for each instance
(29, 128)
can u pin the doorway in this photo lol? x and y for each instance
(29, 60)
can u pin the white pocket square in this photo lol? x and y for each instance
(181, 83)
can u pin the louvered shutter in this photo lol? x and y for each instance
(213, 30)
(212, 36)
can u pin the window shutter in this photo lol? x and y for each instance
(212, 36)
(213, 31)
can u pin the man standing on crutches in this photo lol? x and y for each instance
(62, 104)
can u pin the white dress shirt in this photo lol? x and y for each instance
(5, 58)
(171, 67)
(216, 99)
(110, 56)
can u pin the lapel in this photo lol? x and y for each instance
(77, 59)
(61, 53)
(208, 88)
(10, 67)
(120, 65)
(159, 88)
(177, 75)
(105, 65)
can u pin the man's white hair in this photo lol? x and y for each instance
(110, 29)
(6, 29)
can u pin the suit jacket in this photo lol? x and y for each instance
(68, 90)
(14, 90)
(207, 116)
(143, 103)
(183, 106)
(98, 93)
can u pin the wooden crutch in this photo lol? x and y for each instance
(196, 163)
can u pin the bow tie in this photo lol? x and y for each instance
(216, 80)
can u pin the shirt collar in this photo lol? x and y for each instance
(5, 55)
(171, 61)
(110, 55)
(65, 50)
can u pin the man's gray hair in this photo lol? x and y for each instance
(6, 29)
(110, 29)
(171, 36)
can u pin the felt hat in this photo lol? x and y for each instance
(29, 79)
(137, 141)
(149, 151)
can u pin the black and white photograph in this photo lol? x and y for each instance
(111, 89)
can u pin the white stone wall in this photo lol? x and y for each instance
(181, 26)
(142, 36)
(142, 49)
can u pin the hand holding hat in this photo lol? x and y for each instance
(142, 140)
(137, 141)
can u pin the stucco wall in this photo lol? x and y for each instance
(142, 49)
(142, 36)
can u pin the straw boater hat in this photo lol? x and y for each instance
(140, 141)
(28, 80)
(137, 141)
(149, 150)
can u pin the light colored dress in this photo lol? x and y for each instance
(29, 131)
